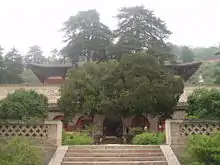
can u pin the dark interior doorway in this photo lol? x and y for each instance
(112, 126)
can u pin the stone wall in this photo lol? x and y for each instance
(45, 133)
(52, 91)
(178, 132)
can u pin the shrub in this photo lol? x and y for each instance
(149, 139)
(23, 104)
(204, 104)
(203, 150)
(19, 151)
(76, 138)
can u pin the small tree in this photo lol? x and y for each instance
(23, 104)
(204, 103)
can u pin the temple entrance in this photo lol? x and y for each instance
(112, 126)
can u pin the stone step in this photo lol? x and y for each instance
(114, 155)
(105, 154)
(114, 146)
(151, 158)
(116, 163)
(144, 150)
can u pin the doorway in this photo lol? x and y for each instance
(112, 126)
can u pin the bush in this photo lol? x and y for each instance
(204, 104)
(76, 138)
(23, 104)
(149, 139)
(19, 151)
(203, 150)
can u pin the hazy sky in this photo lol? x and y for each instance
(27, 22)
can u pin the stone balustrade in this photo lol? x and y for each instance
(178, 131)
(47, 132)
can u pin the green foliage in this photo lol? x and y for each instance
(204, 103)
(23, 105)
(149, 139)
(11, 68)
(19, 151)
(86, 37)
(138, 82)
(139, 29)
(84, 90)
(203, 150)
(132, 86)
(76, 138)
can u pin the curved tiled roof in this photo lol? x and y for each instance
(43, 71)
(52, 91)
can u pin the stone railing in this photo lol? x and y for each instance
(178, 131)
(48, 132)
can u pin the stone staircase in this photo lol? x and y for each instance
(114, 154)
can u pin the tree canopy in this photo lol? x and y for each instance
(204, 103)
(136, 84)
(139, 29)
(11, 67)
(88, 93)
(86, 37)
